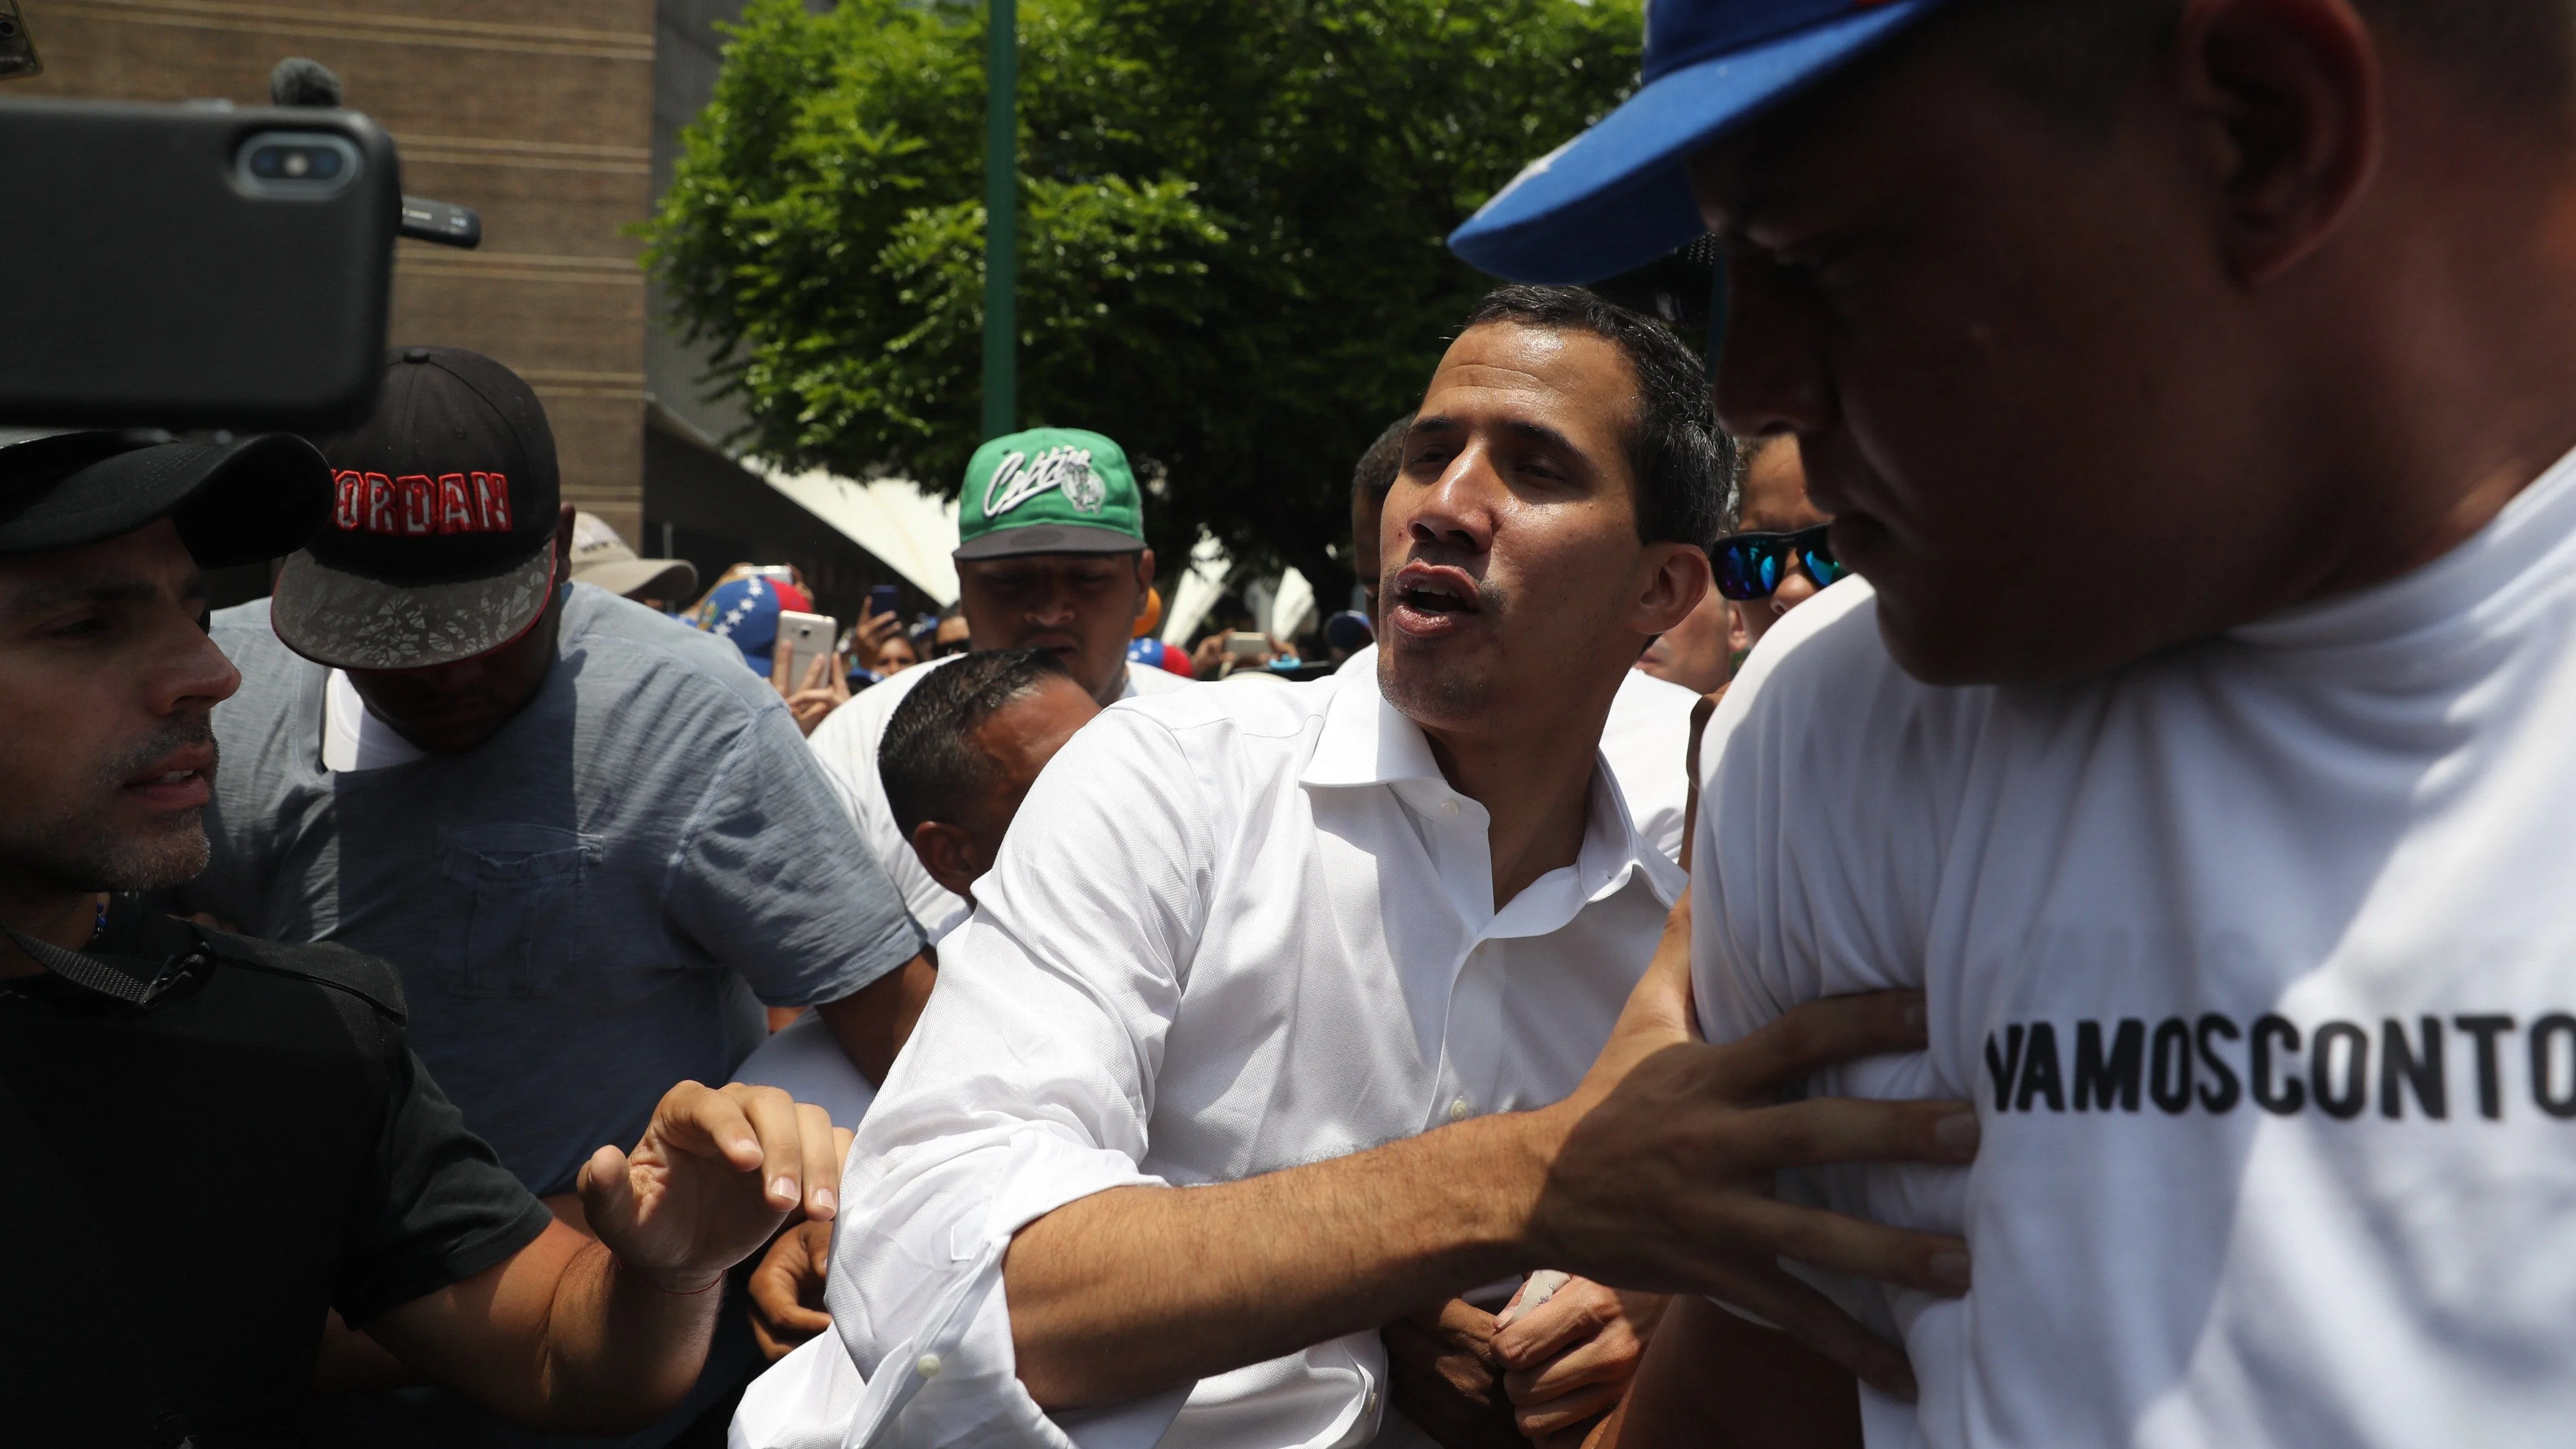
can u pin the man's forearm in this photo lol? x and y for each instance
(1135, 1289)
(620, 1351)
(560, 1336)
(873, 1023)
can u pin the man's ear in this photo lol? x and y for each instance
(1144, 579)
(1677, 580)
(948, 852)
(563, 545)
(2290, 97)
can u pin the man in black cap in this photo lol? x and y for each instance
(300, 1157)
(592, 841)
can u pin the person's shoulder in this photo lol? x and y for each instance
(325, 964)
(1154, 679)
(1642, 694)
(1825, 670)
(624, 641)
(856, 728)
(1259, 705)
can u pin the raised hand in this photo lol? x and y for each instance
(716, 1172)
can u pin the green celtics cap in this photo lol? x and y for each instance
(1049, 490)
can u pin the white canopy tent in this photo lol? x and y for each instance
(913, 532)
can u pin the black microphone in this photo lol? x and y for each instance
(296, 81)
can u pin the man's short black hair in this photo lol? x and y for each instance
(1383, 460)
(1683, 464)
(928, 757)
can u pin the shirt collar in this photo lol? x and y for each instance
(1368, 741)
(1365, 739)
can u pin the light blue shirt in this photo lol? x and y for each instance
(588, 907)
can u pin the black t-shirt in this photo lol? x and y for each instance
(185, 1187)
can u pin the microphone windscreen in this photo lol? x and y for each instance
(297, 81)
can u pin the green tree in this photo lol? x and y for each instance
(1231, 236)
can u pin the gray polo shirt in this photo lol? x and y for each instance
(584, 907)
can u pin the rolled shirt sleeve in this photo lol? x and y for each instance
(1027, 1085)
(771, 879)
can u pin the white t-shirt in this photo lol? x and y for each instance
(2257, 960)
(353, 738)
(846, 743)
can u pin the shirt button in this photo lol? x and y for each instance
(1372, 1403)
(1461, 1110)
(928, 1365)
(1448, 807)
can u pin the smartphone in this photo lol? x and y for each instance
(802, 639)
(17, 47)
(881, 600)
(193, 266)
(1246, 646)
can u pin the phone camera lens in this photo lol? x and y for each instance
(268, 162)
(8, 28)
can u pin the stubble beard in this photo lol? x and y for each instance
(76, 852)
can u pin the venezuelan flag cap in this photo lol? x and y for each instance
(1616, 197)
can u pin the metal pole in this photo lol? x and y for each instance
(1001, 222)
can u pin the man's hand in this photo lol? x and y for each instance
(787, 1290)
(1662, 1177)
(1443, 1375)
(1570, 1358)
(873, 632)
(825, 689)
(1655, 1174)
(715, 1174)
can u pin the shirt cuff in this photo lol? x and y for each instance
(915, 1291)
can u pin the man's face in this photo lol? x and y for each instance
(448, 709)
(1512, 568)
(1775, 501)
(1084, 606)
(2015, 361)
(107, 684)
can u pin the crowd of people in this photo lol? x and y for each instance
(2091, 979)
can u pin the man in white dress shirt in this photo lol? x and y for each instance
(1240, 937)
(1051, 555)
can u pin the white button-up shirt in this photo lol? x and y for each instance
(1234, 929)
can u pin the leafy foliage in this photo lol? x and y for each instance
(1231, 228)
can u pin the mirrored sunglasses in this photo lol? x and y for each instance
(1752, 565)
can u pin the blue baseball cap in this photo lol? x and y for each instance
(1617, 197)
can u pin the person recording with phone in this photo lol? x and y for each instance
(212, 1141)
(591, 841)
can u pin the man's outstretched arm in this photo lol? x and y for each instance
(1653, 1175)
(597, 1335)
